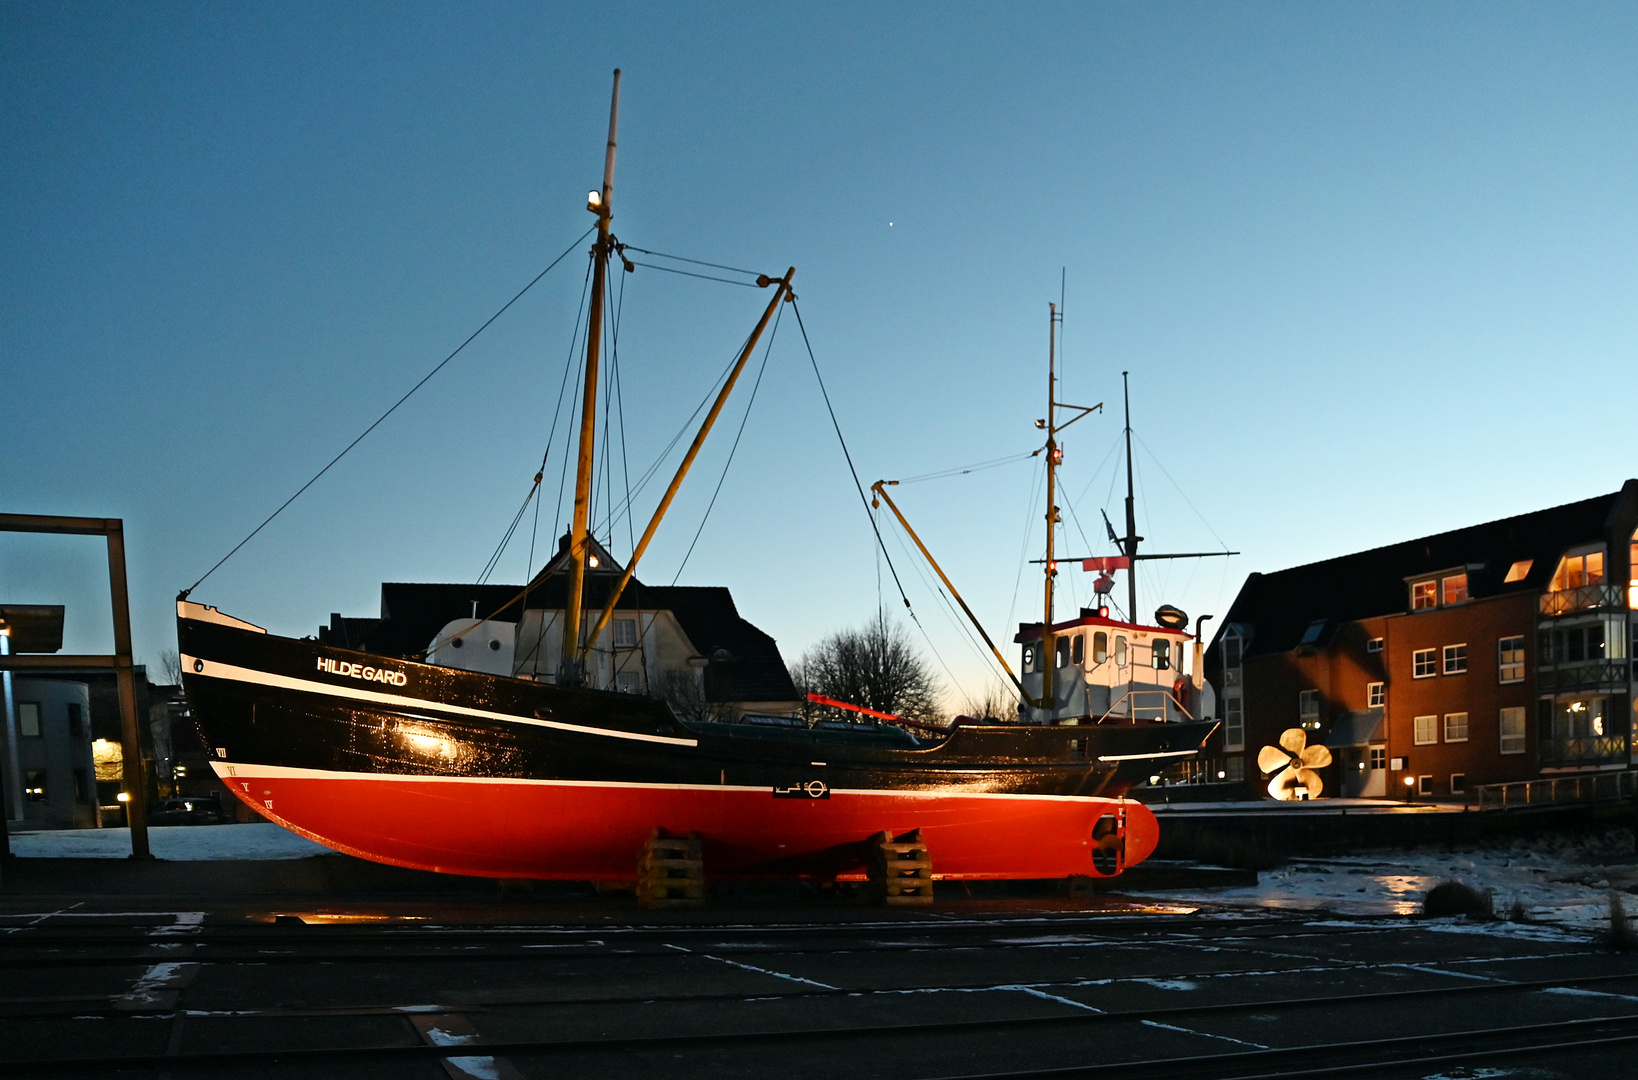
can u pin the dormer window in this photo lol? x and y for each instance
(1454, 588)
(1518, 571)
(1424, 595)
(1576, 571)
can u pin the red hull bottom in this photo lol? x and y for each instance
(583, 831)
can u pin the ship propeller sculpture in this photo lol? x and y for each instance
(1295, 761)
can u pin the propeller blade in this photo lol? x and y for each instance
(1311, 780)
(1272, 759)
(1316, 757)
(1294, 739)
(1280, 786)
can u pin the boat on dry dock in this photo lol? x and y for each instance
(549, 772)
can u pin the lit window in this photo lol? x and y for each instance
(1510, 659)
(1374, 645)
(1424, 663)
(1455, 659)
(1424, 595)
(1511, 726)
(1454, 588)
(1100, 647)
(625, 633)
(1456, 727)
(1518, 571)
(34, 785)
(28, 719)
(1234, 724)
(1162, 655)
(1575, 571)
(1308, 709)
(1427, 730)
(1376, 695)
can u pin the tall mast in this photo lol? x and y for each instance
(600, 203)
(1047, 661)
(1129, 543)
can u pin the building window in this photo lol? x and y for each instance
(1312, 635)
(28, 719)
(1510, 659)
(34, 785)
(1424, 785)
(1455, 659)
(625, 633)
(1234, 724)
(626, 682)
(1376, 695)
(1424, 663)
(82, 786)
(1231, 651)
(1511, 726)
(1456, 727)
(1162, 655)
(1234, 769)
(1308, 709)
(1458, 783)
(1518, 571)
(76, 721)
(1575, 571)
(1077, 650)
(1379, 757)
(1424, 595)
(1455, 589)
(1427, 730)
(1374, 645)
(1100, 647)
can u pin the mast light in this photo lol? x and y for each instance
(594, 200)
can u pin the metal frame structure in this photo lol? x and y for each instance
(121, 662)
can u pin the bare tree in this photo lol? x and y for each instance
(876, 666)
(999, 701)
(170, 662)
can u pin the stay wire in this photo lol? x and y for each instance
(557, 413)
(424, 379)
(692, 274)
(773, 332)
(696, 262)
(863, 501)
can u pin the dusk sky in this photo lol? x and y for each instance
(1371, 267)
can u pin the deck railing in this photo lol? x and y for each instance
(1585, 598)
(1558, 790)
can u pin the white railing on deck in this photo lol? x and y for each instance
(1587, 787)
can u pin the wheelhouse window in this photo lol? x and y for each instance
(1120, 650)
(1510, 659)
(1077, 650)
(1424, 663)
(1061, 650)
(1376, 695)
(1162, 654)
(1424, 595)
(1511, 728)
(1455, 659)
(1456, 727)
(1454, 589)
(1100, 647)
(1031, 652)
(1426, 731)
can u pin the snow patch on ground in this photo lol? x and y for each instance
(178, 843)
(1557, 881)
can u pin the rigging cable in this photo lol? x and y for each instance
(865, 502)
(557, 411)
(692, 274)
(424, 379)
(773, 332)
(696, 262)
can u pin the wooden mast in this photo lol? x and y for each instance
(1047, 660)
(1129, 542)
(569, 671)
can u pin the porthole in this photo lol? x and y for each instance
(198, 665)
(495, 646)
(457, 644)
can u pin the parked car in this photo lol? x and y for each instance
(200, 810)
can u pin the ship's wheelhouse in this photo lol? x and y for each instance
(1107, 671)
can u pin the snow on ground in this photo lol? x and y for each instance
(180, 843)
(1557, 880)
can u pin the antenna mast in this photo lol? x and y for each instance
(1053, 457)
(1129, 542)
(569, 671)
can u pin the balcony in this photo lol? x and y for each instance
(1586, 598)
(1584, 750)
(1592, 675)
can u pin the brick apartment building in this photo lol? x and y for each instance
(1488, 654)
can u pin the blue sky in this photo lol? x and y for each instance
(1370, 266)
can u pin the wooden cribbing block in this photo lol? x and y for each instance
(671, 872)
(901, 870)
